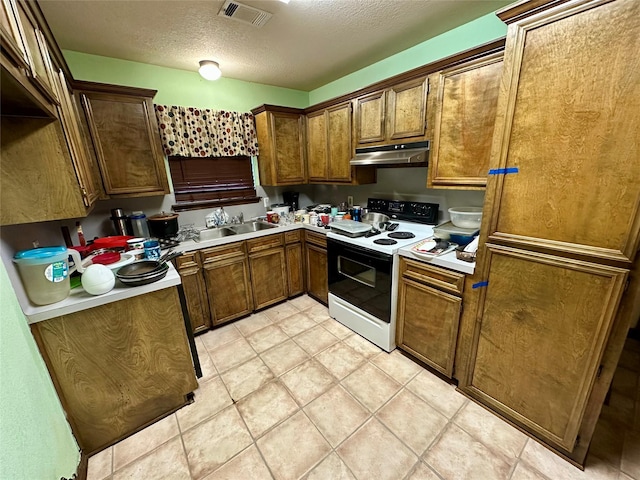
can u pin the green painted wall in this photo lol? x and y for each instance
(182, 87)
(469, 35)
(35, 438)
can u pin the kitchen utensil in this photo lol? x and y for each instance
(281, 209)
(139, 225)
(465, 256)
(447, 229)
(376, 219)
(106, 258)
(83, 251)
(356, 213)
(350, 228)
(163, 225)
(466, 217)
(152, 249)
(432, 247)
(291, 199)
(273, 217)
(324, 218)
(121, 223)
(117, 241)
(97, 279)
(45, 273)
(135, 243)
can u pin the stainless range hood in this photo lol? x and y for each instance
(411, 154)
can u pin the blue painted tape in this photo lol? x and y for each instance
(503, 171)
(480, 284)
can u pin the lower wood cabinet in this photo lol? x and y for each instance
(429, 307)
(295, 262)
(118, 367)
(267, 263)
(226, 274)
(316, 262)
(189, 266)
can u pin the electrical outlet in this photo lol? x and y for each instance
(350, 201)
(265, 202)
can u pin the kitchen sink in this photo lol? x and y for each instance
(251, 227)
(212, 233)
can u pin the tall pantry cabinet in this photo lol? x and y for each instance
(562, 220)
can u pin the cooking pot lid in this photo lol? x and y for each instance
(163, 216)
(43, 252)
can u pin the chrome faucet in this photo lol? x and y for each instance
(238, 218)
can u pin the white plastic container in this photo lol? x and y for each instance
(466, 217)
(45, 273)
(139, 224)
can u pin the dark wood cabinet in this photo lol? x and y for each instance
(295, 262)
(316, 263)
(429, 307)
(126, 139)
(189, 266)
(466, 105)
(268, 266)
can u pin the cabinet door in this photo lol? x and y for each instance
(268, 277)
(127, 143)
(407, 107)
(428, 321)
(317, 283)
(465, 115)
(317, 166)
(75, 141)
(195, 290)
(10, 35)
(571, 129)
(339, 151)
(228, 288)
(370, 111)
(542, 326)
(295, 269)
(288, 147)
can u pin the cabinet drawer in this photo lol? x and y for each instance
(292, 237)
(223, 252)
(430, 275)
(316, 239)
(187, 260)
(264, 243)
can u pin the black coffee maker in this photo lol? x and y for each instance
(291, 199)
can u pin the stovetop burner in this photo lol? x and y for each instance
(401, 235)
(385, 241)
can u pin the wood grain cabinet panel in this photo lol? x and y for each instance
(189, 266)
(465, 115)
(317, 160)
(428, 317)
(10, 36)
(268, 277)
(339, 151)
(316, 264)
(125, 137)
(370, 112)
(118, 367)
(543, 324)
(295, 269)
(281, 140)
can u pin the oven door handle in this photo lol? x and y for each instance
(356, 279)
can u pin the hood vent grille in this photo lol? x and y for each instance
(244, 13)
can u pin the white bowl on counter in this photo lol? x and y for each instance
(466, 217)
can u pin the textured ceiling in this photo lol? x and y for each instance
(306, 44)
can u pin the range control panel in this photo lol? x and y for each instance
(403, 210)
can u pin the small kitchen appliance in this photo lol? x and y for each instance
(163, 225)
(291, 199)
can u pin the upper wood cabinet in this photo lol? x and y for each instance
(393, 115)
(465, 114)
(126, 139)
(281, 140)
(11, 38)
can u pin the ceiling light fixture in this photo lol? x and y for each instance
(209, 70)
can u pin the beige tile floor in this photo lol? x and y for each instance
(290, 393)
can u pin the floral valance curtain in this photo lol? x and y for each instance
(196, 132)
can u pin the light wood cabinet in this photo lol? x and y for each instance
(561, 228)
(466, 105)
(429, 306)
(295, 262)
(316, 263)
(394, 115)
(267, 262)
(189, 266)
(280, 132)
(10, 36)
(118, 367)
(125, 136)
(226, 274)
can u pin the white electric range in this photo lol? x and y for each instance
(361, 270)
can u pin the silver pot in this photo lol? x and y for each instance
(377, 220)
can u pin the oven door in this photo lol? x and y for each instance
(360, 277)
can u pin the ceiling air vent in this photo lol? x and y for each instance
(244, 13)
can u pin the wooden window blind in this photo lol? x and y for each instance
(205, 182)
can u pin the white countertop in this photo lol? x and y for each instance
(447, 260)
(79, 300)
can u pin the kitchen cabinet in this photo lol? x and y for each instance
(546, 329)
(329, 147)
(189, 266)
(268, 266)
(226, 275)
(10, 37)
(393, 115)
(126, 140)
(429, 306)
(295, 262)
(466, 105)
(316, 262)
(118, 367)
(280, 132)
